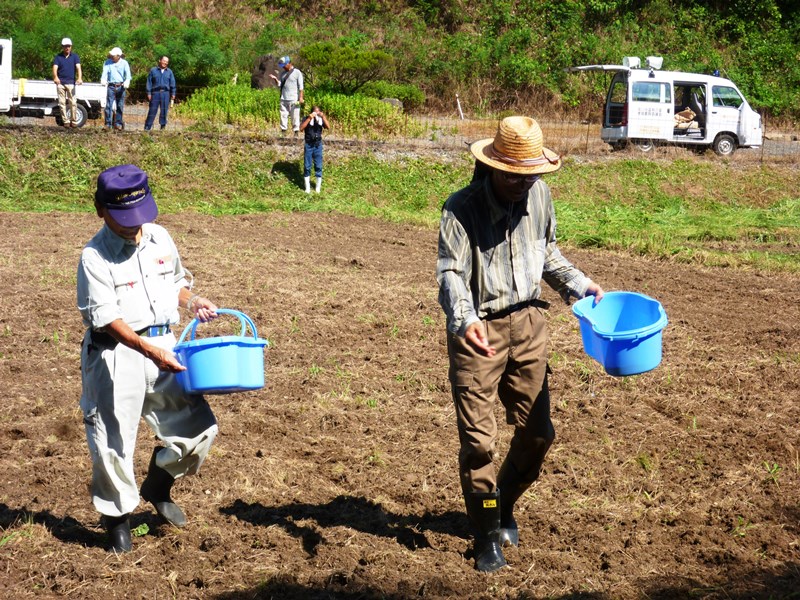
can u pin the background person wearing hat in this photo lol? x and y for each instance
(496, 243)
(291, 84)
(117, 76)
(66, 75)
(161, 89)
(130, 284)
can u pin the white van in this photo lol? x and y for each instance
(647, 106)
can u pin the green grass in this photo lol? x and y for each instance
(239, 105)
(704, 211)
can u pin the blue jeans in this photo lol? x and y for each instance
(313, 153)
(157, 100)
(114, 94)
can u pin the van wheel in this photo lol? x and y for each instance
(725, 144)
(618, 146)
(643, 145)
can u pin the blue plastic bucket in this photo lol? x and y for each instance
(221, 365)
(622, 332)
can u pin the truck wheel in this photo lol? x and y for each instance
(725, 144)
(83, 115)
(618, 146)
(644, 145)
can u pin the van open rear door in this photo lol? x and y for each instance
(615, 110)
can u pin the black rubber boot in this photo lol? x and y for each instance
(511, 487)
(119, 533)
(156, 488)
(483, 510)
(512, 484)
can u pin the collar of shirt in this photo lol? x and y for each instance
(117, 244)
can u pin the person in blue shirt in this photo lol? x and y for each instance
(161, 88)
(117, 76)
(66, 75)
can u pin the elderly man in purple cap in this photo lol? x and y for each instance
(131, 283)
(497, 242)
(291, 84)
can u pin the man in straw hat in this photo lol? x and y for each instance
(130, 284)
(496, 243)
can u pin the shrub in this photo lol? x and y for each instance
(410, 95)
(240, 105)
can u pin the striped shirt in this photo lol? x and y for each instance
(493, 256)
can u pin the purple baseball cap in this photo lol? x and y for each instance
(124, 191)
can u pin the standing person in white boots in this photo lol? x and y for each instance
(312, 127)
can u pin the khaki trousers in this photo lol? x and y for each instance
(120, 387)
(66, 94)
(517, 376)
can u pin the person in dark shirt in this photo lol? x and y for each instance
(161, 89)
(312, 127)
(66, 75)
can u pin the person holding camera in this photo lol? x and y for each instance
(312, 127)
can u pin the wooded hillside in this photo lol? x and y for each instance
(496, 54)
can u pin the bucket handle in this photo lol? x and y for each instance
(614, 336)
(243, 319)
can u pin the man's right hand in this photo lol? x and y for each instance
(164, 359)
(478, 340)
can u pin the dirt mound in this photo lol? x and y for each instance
(338, 480)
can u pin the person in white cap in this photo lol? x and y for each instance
(130, 284)
(66, 75)
(117, 76)
(497, 242)
(291, 84)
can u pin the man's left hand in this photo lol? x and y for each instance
(596, 291)
(204, 309)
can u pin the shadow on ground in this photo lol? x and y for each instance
(355, 512)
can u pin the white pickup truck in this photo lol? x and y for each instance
(34, 98)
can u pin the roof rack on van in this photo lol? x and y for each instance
(651, 62)
(632, 62)
(654, 62)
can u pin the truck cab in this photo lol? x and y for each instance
(648, 106)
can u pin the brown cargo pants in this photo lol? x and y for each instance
(517, 375)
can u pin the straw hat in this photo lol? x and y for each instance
(517, 148)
